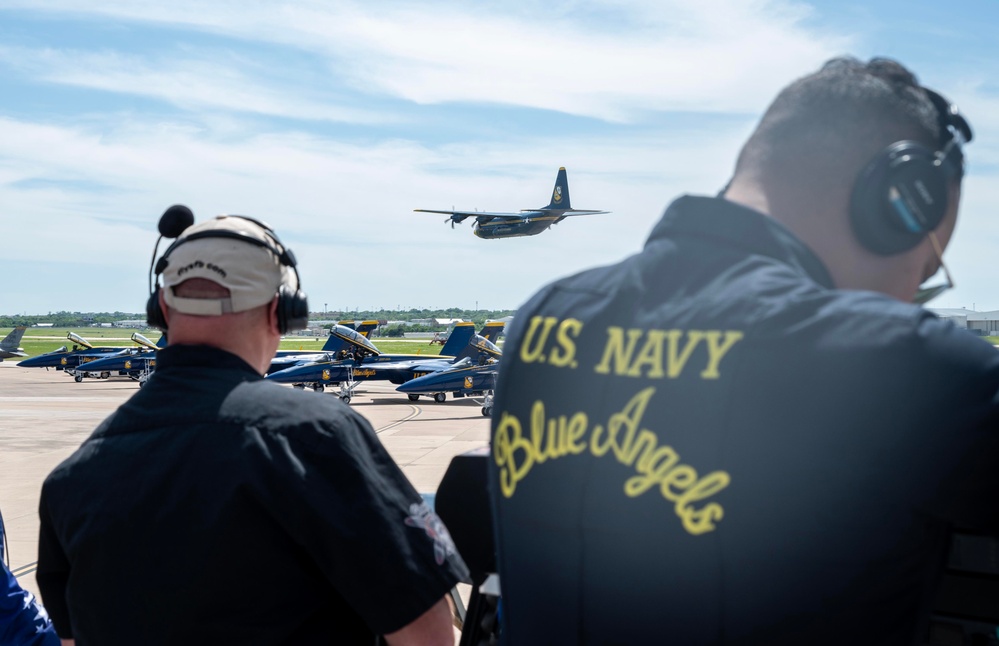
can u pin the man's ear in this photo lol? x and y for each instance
(272, 317)
(163, 306)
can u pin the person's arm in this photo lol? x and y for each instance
(432, 628)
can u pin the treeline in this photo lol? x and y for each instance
(68, 319)
(83, 319)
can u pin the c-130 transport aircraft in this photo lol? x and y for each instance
(528, 222)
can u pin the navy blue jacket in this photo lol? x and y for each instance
(708, 443)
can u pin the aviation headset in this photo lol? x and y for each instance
(902, 194)
(292, 305)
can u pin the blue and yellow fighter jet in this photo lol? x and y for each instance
(342, 336)
(367, 364)
(465, 378)
(68, 360)
(136, 363)
(528, 222)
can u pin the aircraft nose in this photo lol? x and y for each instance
(420, 384)
(291, 375)
(40, 361)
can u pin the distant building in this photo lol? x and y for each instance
(981, 323)
(131, 323)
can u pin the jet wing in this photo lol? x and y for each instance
(475, 214)
(565, 214)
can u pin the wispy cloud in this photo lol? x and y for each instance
(196, 80)
(672, 55)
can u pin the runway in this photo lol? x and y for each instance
(45, 415)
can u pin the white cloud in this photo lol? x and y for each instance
(201, 80)
(671, 55)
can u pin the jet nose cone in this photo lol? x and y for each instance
(40, 361)
(409, 387)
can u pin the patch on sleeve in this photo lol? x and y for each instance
(420, 515)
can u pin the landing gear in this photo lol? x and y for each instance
(414, 397)
(347, 387)
(78, 377)
(105, 374)
(439, 397)
(298, 386)
(487, 411)
(318, 387)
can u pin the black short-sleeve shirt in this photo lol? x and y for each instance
(215, 507)
(709, 444)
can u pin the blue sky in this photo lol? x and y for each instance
(334, 120)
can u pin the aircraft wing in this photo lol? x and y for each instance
(475, 214)
(569, 212)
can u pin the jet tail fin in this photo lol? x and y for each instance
(491, 331)
(560, 194)
(458, 339)
(365, 328)
(11, 341)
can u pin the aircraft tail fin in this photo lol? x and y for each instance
(333, 342)
(491, 331)
(12, 340)
(458, 339)
(365, 328)
(560, 194)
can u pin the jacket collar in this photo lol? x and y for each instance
(739, 227)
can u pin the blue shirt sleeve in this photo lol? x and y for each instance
(23, 621)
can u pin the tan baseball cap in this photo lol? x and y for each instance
(232, 251)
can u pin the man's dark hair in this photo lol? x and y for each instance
(839, 117)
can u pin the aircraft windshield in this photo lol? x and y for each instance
(73, 336)
(354, 338)
(141, 340)
(485, 345)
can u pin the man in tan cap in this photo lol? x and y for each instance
(215, 507)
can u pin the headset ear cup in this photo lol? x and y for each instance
(898, 198)
(154, 313)
(292, 310)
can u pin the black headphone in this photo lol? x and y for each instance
(292, 305)
(902, 194)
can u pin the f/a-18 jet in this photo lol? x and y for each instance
(466, 378)
(343, 336)
(9, 346)
(528, 222)
(136, 363)
(397, 368)
(68, 360)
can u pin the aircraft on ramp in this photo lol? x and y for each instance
(465, 378)
(343, 336)
(8, 347)
(528, 222)
(136, 363)
(463, 342)
(62, 359)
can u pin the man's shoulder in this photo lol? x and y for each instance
(275, 408)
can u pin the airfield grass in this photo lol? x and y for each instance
(39, 340)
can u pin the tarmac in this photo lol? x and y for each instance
(45, 415)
